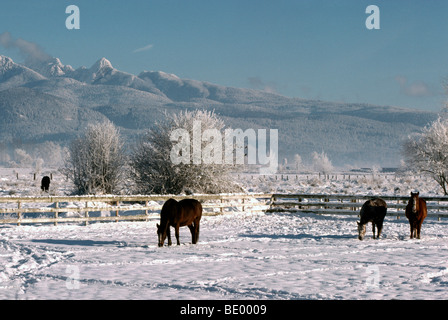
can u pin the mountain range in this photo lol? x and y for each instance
(49, 101)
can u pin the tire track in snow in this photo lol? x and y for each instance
(22, 264)
(223, 290)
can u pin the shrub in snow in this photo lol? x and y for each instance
(22, 158)
(321, 163)
(427, 152)
(154, 171)
(96, 160)
(298, 162)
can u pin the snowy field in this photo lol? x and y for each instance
(241, 255)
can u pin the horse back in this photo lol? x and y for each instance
(189, 211)
(169, 210)
(373, 210)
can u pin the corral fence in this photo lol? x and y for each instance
(351, 204)
(85, 209)
(58, 209)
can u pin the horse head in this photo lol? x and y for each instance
(161, 233)
(415, 201)
(361, 230)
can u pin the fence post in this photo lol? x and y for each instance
(354, 207)
(19, 214)
(56, 214)
(146, 210)
(273, 199)
(86, 214)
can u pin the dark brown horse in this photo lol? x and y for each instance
(45, 183)
(187, 212)
(374, 211)
(416, 212)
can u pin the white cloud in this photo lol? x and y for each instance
(415, 89)
(145, 48)
(31, 51)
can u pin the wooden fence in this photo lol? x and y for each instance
(351, 204)
(57, 209)
(85, 209)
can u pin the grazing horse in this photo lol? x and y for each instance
(187, 212)
(45, 183)
(416, 212)
(374, 211)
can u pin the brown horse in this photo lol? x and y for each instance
(187, 212)
(416, 212)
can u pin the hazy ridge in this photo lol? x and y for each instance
(54, 102)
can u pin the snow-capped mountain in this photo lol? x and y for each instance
(348, 133)
(13, 75)
(99, 71)
(51, 68)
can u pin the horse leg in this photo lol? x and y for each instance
(419, 226)
(373, 229)
(168, 234)
(412, 230)
(380, 228)
(177, 234)
(196, 232)
(416, 227)
(191, 227)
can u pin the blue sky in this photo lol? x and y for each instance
(313, 49)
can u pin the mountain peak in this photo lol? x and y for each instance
(51, 67)
(5, 62)
(100, 64)
(56, 68)
(13, 74)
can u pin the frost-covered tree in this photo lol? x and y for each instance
(321, 162)
(22, 158)
(297, 162)
(161, 164)
(96, 160)
(51, 153)
(427, 152)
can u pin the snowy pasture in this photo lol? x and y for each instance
(241, 255)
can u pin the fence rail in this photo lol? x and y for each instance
(351, 204)
(57, 209)
(85, 209)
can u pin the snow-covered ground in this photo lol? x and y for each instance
(241, 255)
